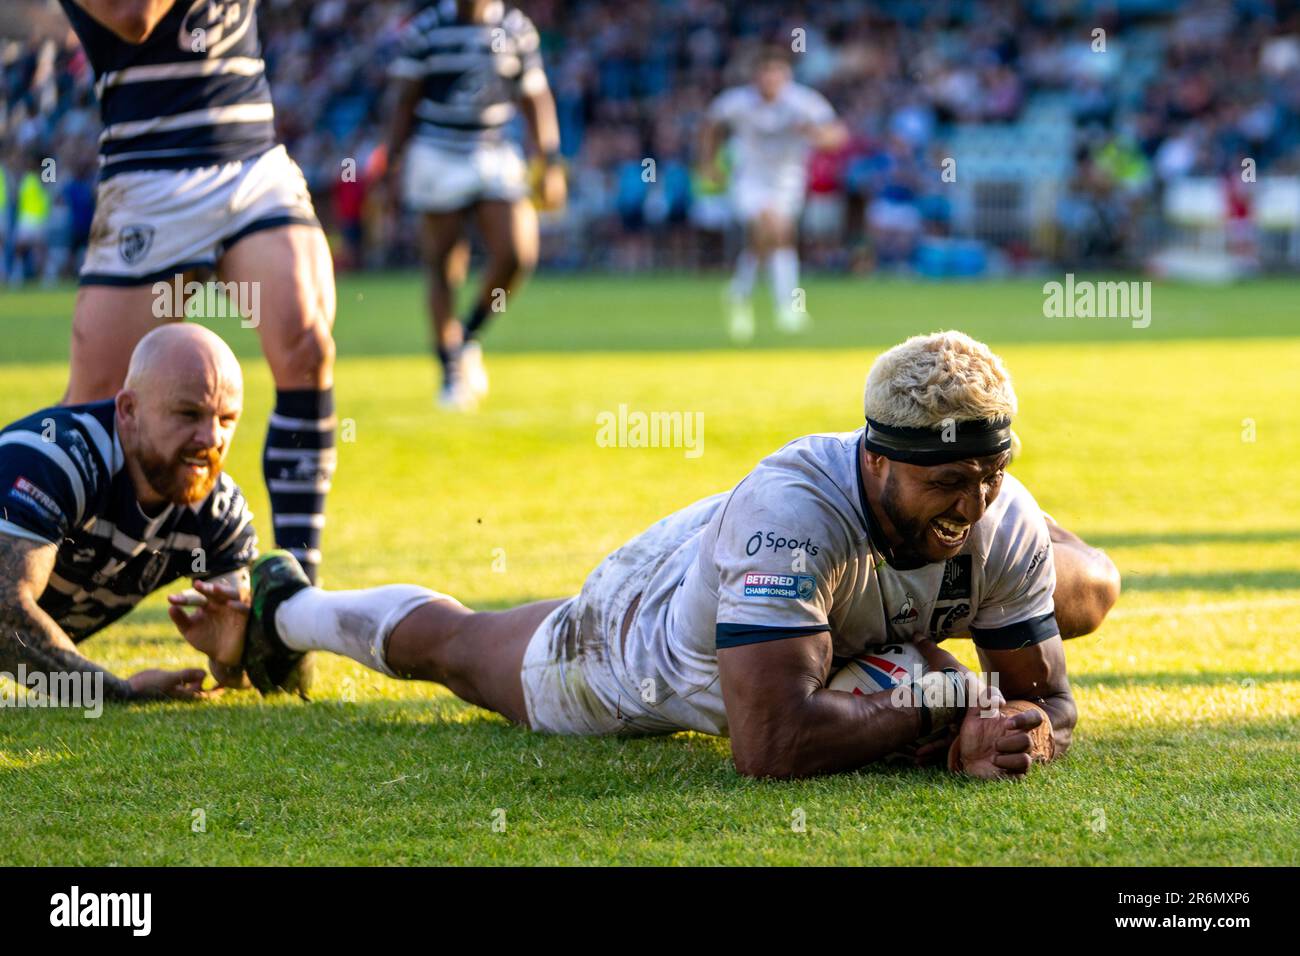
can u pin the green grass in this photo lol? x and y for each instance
(1189, 696)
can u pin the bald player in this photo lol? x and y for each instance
(103, 503)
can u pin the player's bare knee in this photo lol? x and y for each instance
(306, 356)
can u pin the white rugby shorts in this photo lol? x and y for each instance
(435, 179)
(151, 224)
(781, 196)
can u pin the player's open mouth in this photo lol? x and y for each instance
(949, 533)
(195, 464)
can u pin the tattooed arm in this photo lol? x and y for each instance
(31, 638)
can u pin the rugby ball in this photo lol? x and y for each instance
(884, 667)
(878, 668)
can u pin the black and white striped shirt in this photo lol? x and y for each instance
(471, 74)
(63, 480)
(193, 94)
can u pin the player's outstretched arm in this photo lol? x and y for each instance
(1037, 674)
(132, 20)
(30, 638)
(785, 722)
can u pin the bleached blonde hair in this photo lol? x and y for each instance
(932, 378)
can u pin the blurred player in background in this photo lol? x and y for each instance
(465, 70)
(774, 123)
(192, 180)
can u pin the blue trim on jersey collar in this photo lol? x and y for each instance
(862, 488)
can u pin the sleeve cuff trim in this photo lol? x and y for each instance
(1008, 637)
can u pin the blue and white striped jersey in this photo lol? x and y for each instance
(471, 74)
(193, 94)
(63, 480)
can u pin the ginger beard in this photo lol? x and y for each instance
(185, 476)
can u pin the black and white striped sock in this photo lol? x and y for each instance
(298, 463)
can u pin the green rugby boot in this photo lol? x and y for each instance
(271, 667)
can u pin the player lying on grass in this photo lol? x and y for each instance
(729, 616)
(103, 503)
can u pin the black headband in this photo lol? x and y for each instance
(938, 446)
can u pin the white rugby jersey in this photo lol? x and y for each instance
(766, 137)
(471, 74)
(789, 551)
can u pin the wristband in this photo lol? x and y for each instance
(948, 696)
(939, 695)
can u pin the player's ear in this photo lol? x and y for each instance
(126, 404)
(874, 463)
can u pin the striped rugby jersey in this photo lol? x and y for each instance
(471, 74)
(63, 480)
(193, 94)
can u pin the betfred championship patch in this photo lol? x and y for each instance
(26, 492)
(794, 587)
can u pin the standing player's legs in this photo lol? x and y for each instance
(107, 322)
(510, 236)
(783, 272)
(446, 256)
(294, 281)
(746, 202)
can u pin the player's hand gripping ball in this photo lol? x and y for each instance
(884, 667)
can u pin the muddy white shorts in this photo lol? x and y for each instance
(442, 180)
(573, 683)
(151, 224)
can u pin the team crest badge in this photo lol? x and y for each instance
(133, 242)
(152, 572)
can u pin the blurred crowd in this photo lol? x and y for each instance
(1177, 89)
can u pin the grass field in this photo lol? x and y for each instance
(1175, 447)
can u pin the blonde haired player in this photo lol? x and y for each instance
(773, 124)
(729, 616)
